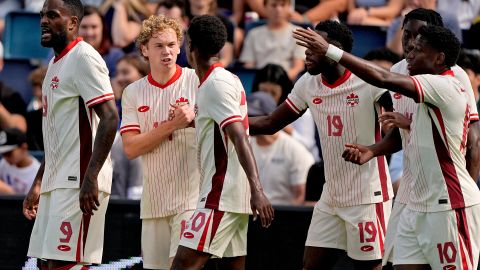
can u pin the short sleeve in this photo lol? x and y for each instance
(296, 100)
(224, 107)
(433, 89)
(129, 111)
(92, 82)
(377, 93)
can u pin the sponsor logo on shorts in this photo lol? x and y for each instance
(143, 108)
(203, 199)
(72, 178)
(366, 248)
(64, 248)
(397, 96)
(449, 267)
(317, 100)
(188, 235)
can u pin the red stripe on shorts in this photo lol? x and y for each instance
(464, 236)
(380, 224)
(217, 217)
(201, 243)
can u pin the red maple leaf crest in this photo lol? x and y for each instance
(181, 100)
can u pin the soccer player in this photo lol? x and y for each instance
(439, 227)
(405, 108)
(70, 193)
(230, 185)
(157, 111)
(354, 208)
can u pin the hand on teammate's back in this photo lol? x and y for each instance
(182, 116)
(262, 207)
(357, 153)
(89, 195)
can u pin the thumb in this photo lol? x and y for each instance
(254, 211)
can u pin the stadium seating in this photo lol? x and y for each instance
(367, 38)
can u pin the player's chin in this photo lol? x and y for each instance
(46, 42)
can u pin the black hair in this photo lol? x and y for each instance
(442, 40)
(431, 17)
(275, 74)
(469, 61)
(75, 7)
(169, 4)
(382, 54)
(337, 33)
(208, 34)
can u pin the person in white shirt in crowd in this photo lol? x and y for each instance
(282, 161)
(17, 167)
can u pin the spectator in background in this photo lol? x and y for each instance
(395, 31)
(175, 9)
(273, 79)
(383, 57)
(124, 19)
(7, 6)
(282, 162)
(324, 10)
(464, 11)
(17, 167)
(12, 106)
(94, 31)
(373, 12)
(471, 64)
(35, 110)
(209, 7)
(273, 42)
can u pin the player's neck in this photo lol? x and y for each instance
(58, 49)
(266, 140)
(163, 75)
(204, 65)
(333, 74)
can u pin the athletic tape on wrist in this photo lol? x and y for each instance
(334, 53)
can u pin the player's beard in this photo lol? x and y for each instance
(56, 39)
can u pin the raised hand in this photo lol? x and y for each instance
(310, 39)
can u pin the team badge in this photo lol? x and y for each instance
(317, 100)
(182, 101)
(54, 83)
(352, 100)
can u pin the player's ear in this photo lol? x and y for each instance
(440, 59)
(144, 50)
(73, 23)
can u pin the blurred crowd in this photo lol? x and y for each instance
(259, 40)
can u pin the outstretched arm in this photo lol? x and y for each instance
(366, 70)
(271, 124)
(259, 202)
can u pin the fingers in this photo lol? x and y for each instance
(254, 211)
(89, 203)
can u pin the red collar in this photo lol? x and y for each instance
(67, 49)
(448, 72)
(209, 71)
(174, 78)
(340, 80)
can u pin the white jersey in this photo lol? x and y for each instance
(282, 165)
(345, 112)
(20, 179)
(76, 80)
(221, 101)
(408, 107)
(170, 172)
(438, 144)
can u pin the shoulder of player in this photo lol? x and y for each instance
(189, 73)
(136, 85)
(83, 50)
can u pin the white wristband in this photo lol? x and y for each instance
(334, 53)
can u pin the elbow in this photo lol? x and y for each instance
(130, 151)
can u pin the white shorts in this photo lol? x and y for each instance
(62, 232)
(392, 232)
(160, 237)
(359, 230)
(222, 234)
(444, 240)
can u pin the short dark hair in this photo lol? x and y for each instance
(169, 4)
(431, 17)
(75, 7)
(208, 34)
(442, 40)
(338, 32)
(275, 74)
(382, 54)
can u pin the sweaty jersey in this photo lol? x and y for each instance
(170, 172)
(408, 107)
(437, 146)
(345, 112)
(76, 80)
(221, 101)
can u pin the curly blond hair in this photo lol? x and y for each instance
(155, 24)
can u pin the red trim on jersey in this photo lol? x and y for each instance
(201, 243)
(448, 72)
(67, 49)
(100, 99)
(438, 114)
(127, 128)
(380, 224)
(85, 133)
(229, 120)
(292, 106)
(209, 71)
(174, 78)
(339, 81)
(381, 166)
(448, 168)
(419, 89)
(464, 236)
(66, 267)
(474, 117)
(221, 162)
(79, 243)
(217, 217)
